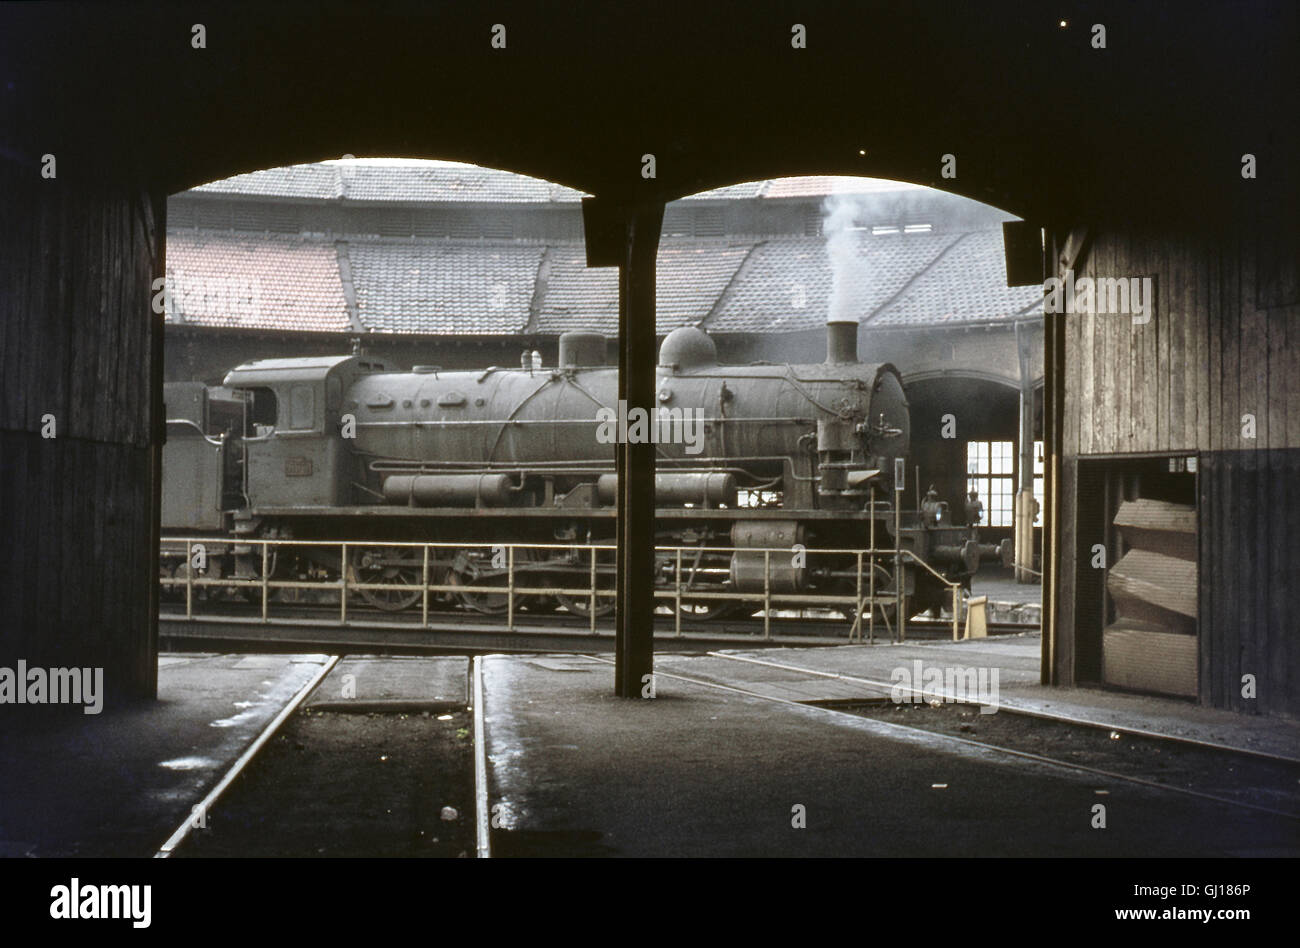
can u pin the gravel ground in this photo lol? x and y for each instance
(1225, 774)
(333, 784)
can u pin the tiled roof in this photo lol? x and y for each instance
(254, 282)
(477, 287)
(403, 182)
(442, 287)
(897, 280)
(447, 182)
(577, 297)
(320, 181)
(786, 284)
(967, 284)
(690, 277)
(810, 186)
(730, 192)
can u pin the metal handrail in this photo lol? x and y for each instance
(489, 544)
(954, 587)
(512, 591)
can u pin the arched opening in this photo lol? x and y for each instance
(920, 278)
(461, 268)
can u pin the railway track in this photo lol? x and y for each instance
(200, 810)
(887, 687)
(1112, 757)
(402, 762)
(1214, 772)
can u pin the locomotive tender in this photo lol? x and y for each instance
(748, 457)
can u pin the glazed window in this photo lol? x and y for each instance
(990, 466)
(302, 407)
(990, 469)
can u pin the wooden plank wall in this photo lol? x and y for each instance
(77, 259)
(1224, 341)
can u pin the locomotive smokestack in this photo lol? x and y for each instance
(841, 342)
(840, 225)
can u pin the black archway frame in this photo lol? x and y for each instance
(1038, 119)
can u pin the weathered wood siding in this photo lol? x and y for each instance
(1223, 343)
(77, 260)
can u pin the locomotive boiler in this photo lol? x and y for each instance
(754, 457)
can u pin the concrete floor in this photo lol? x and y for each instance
(715, 765)
(118, 783)
(1001, 586)
(712, 771)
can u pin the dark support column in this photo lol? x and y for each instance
(158, 417)
(80, 352)
(634, 624)
(1053, 447)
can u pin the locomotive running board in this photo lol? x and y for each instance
(460, 637)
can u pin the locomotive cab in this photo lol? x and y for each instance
(199, 480)
(297, 456)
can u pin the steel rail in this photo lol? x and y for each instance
(1025, 712)
(482, 814)
(210, 798)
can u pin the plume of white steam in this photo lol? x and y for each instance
(840, 213)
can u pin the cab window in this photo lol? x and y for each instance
(302, 407)
(262, 406)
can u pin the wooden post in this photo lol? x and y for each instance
(158, 415)
(1053, 446)
(1024, 509)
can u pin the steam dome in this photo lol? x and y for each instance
(688, 348)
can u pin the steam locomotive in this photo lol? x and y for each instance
(750, 457)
